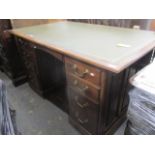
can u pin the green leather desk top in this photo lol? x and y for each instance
(107, 47)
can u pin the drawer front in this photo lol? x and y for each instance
(84, 112)
(84, 88)
(27, 51)
(83, 71)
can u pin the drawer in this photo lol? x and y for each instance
(84, 87)
(83, 71)
(84, 112)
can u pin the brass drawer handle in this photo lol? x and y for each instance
(80, 89)
(81, 105)
(83, 121)
(81, 75)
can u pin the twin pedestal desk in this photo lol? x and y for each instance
(91, 64)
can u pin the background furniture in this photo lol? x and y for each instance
(18, 23)
(141, 114)
(6, 124)
(146, 24)
(10, 61)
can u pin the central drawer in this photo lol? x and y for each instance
(84, 88)
(84, 112)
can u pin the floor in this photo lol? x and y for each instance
(37, 116)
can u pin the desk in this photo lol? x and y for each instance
(92, 62)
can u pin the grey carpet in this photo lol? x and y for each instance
(37, 116)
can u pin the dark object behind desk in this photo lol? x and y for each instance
(6, 125)
(141, 113)
(10, 60)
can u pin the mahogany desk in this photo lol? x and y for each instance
(91, 62)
